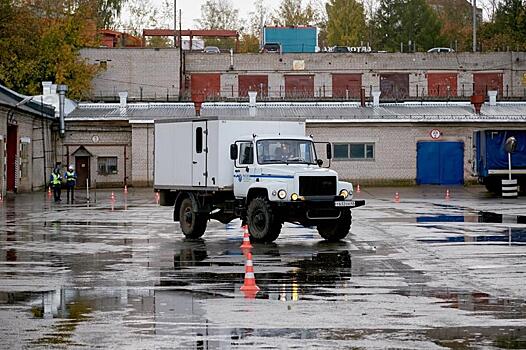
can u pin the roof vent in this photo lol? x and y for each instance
(46, 87)
(123, 97)
(492, 98)
(477, 101)
(376, 98)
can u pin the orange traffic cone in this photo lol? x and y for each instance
(246, 239)
(112, 196)
(397, 197)
(49, 190)
(157, 197)
(448, 196)
(125, 188)
(358, 189)
(250, 279)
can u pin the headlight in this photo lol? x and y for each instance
(294, 197)
(282, 194)
(344, 193)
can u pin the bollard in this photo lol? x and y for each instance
(509, 188)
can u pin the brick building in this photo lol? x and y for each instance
(26, 142)
(374, 144)
(154, 75)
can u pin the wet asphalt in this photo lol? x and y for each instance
(425, 273)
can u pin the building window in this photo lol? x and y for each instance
(107, 165)
(354, 151)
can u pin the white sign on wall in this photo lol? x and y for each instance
(435, 134)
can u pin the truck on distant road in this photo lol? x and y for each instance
(490, 163)
(265, 172)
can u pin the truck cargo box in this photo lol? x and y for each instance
(490, 155)
(195, 153)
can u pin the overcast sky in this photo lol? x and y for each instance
(191, 9)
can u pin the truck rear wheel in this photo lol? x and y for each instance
(262, 222)
(192, 224)
(335, 230)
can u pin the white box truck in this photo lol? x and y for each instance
(265, 172)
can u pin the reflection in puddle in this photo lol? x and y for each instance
(511, 237)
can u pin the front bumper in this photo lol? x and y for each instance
(314, 210)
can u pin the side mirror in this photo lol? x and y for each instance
(319, 162)
(233, 151)
(329, 151)
(511, 144)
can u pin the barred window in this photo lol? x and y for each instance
(107, 165)
(353, 151)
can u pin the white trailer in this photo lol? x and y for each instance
(265, 172)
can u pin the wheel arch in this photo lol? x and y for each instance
(254, 192)
(179, 199)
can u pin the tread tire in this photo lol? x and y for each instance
(192, 224)
(336, 230)
(262, 222)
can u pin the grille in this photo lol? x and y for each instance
(317, 185)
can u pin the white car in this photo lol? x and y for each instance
(441, 49)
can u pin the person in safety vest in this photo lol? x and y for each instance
(71, 180)
(55, 181)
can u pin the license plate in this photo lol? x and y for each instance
(344, 204)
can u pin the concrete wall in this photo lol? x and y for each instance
(156, 70)
(143, 154)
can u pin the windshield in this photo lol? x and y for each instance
(286, 152)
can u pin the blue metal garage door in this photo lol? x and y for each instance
(440, 163)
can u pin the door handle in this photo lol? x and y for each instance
(194, 162)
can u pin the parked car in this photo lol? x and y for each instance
(271, 47)
(211, 49)
(441, 49)
(340, 49)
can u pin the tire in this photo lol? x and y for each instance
(336, 230)
(192, 224)
(493, 184)
(263, 224)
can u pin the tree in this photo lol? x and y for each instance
(456, 19)
(142, 14)
(508, 29)
(410, 22)
(37, 46)
(258, 18)
(346, 22)
(294, 13)
(219, 14)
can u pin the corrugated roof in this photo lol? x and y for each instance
(30, 104)
(322, 111)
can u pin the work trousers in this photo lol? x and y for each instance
(56, 192)
(71, 189)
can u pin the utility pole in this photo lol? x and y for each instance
(175, 23)
(474, 25)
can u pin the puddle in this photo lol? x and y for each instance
(510, 237)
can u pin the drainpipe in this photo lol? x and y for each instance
(61, 89)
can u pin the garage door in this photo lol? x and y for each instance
(257, 83)
(440, 163)
(346, 85)
(299, 86)
(208, 86)
(484, 82)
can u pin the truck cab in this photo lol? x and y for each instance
(283, 177)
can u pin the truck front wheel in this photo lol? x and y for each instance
(262, 222)
(335, 230)
(192, 224)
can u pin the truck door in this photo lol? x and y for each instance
(244, 168)
(199, 153)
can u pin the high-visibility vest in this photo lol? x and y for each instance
(56, 179)
(70, 176)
